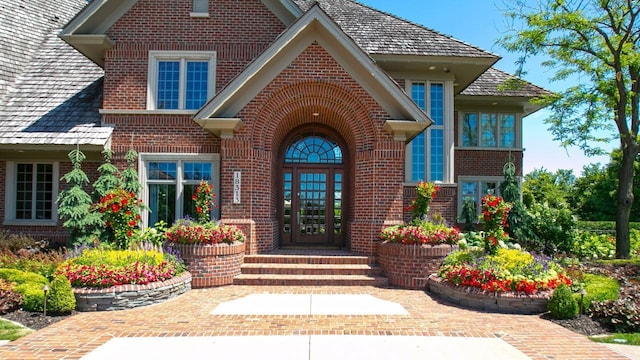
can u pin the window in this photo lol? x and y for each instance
(200, 8)
(489, 130)
(428, 151)
(180, 80)
(474, 189)
(32, 189)
(169, 182)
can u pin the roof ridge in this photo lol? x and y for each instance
(423, 27)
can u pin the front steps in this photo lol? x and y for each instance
(300, 269)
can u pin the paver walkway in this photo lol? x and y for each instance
(191, 316)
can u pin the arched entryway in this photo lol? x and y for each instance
(313, 182)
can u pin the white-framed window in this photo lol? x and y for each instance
(31, 192)
(489, 130)
(180, 80)
(475, 188)
(430, 154)
(169, 180)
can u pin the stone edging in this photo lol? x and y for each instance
(473, 298)
(123, 297)
(409, 266)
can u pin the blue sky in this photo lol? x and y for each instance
(481, 23)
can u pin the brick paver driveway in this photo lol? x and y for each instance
(190, 315)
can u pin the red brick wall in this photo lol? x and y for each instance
(237, 31)
(484, 162)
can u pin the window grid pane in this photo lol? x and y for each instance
(168, 84)
(507, 130)
(418, 158)
(418, 95)
(44, 191)
(162, 203)
(437, 104)
(470, 129)
(197, 171)
(162, 171)
(197, 77)
(489, 129)
(24, 191)
(200, 6)
(437, 155)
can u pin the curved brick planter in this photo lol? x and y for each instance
(473, 298)
(212, 265)
(123, 297)
(409, 266)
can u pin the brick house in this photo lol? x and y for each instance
(314, 119)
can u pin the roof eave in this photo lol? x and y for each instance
(524, 103)
(91, 46)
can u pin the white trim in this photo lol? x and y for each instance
(10, 195)
(199, 14)
(183, 56)
(180, 158)
(146, 112)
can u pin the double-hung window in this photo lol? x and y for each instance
(32, 189)
(180, 80)
(169, 182)
(488, 130)
(429, 151)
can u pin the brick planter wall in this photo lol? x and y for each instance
(409, 266)
(473, 298)
(123, 297)
(212, 265)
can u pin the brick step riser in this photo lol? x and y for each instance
(381, 282)
(329, 272)
(327, 260)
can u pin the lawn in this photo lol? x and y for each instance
(10, 331)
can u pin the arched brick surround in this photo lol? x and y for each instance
(376, 173)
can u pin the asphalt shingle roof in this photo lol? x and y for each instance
(49, 92)
(488, 84)
(377, 32)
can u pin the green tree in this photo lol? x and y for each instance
(129, 177)
(108, 179)
(595, 191)
(519, 220)
(597, 40)
(74, 204)
(543, 186)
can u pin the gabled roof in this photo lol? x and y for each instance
(314, 26)
(377, 32)
(56, 93)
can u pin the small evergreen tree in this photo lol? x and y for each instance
(108, 179)
(519, 220)
(129, 177)
(74, 204)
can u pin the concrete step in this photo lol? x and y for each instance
(310, 280)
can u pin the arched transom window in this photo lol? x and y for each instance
(313, 149)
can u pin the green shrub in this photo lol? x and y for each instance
(22, 277)
(562, 304)
(598, 288)
(620, 315)
(594, 246)
(33, 296)
(43, 263)
(61, 299)
(603, 225)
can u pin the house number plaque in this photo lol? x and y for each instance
(237, 185)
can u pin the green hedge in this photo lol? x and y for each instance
(603, 225)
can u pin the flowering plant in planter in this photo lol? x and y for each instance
(204, 199)
(494, 216)
(421, 233)
(185, 231)
(425, 192)
(121, 212)
(506, 270)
